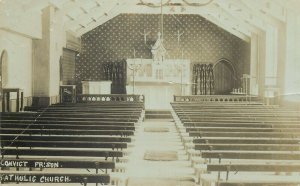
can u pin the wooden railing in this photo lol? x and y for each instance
(215, 98)
(86, 98)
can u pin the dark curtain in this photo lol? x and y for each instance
(203, 79)
(116, 72)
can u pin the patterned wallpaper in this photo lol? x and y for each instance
(201, 42)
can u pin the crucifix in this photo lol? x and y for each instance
(145, 34)
(178, 36)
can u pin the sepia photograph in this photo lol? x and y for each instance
(150, 92)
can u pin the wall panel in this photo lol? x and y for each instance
(201, 42)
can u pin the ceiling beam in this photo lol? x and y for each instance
(35, 5)
(233, 8)
(293, 5)
(235, 16)
(251, 7)
(231, 30)
(58, 3)
(112, 9)
(205, 12)
(271, 8)
(289, 5)
(71, 6)
(230, 20)
(94, 14)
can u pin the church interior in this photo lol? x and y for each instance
(150, 92)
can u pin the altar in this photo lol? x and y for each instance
(159, 78)
(158, 82)
(96, 87)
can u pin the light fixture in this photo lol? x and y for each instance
(158, 50)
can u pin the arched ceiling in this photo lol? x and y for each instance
(239, 17)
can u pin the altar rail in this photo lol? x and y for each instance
(215, 98)
(87, 98)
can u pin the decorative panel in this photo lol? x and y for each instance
(170, 71)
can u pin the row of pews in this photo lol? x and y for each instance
(240, 143)
(73, 143)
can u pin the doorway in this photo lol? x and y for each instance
(224, 77)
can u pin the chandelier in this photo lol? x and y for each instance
(158, 50)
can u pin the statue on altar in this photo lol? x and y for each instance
(158, 50)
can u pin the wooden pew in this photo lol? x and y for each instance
(257, 183)
(248, 147)
(239, 119)
(70, 115)
(252, 168)
(65, 138)
(64, 144)
(93, 109)
(238, 132)
(56, 163)
(87, 109)
(68, 126)
(250, 155)
(73, 122)
(39, 177)
(241, 129)
(274, 124)
(246, 134)
(60, 152)
(61, 118)
(239, 112)
(261, 140)
(66, 132)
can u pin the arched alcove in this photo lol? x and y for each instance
(3, 70)
(224, 76)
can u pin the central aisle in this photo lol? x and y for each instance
(137, 167)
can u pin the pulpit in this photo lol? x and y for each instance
(96, 87)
